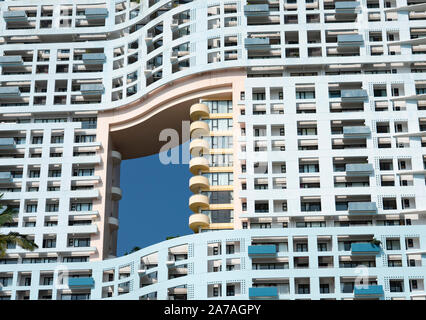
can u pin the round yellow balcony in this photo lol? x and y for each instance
(199, 129)
(198, 201)
(198, 146)
(197, 164)
(198, 110)
(198, 220)
(198, 182)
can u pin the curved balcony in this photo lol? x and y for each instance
(113, 222)
(198, 111)
(198, 182)
(116, 157)
(198, 220)
(199, 129)
(116, 193)
(197, 164)
(198, 146)
(198, 201)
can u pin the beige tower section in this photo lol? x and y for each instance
(210, 159)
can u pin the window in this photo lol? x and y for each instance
(31, 208)
(81, 207)
(84, 172)
(49, 243)
(322, 246)
(34, 174)
(30, 224)
(52, 207)
(305, 94)
(348, 287)
(27, 281)
(215, 251)
(303, 289)
(75, 259)
(215, 291)
(79, 242)
(57, 139)
(48, 281)
(306, 168)
(37, 140)
(54, 173)
(230, 290)
(301, 247)
(87, 123)
(264, 225)
(84, 138)
(76, 296)
(230, 249)
(396, 285)
(324, 288)
(393, 244)
(395, 263)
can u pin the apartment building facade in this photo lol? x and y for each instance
(308, 136)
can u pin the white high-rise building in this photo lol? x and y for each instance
(308, 146)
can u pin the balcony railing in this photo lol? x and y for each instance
(93, 88)
(346, 6)
(5, 177)
(81, 283)
(262, 250)
(263, 292)
(363, 248)
(96, 13)
(353, 94)
(93, 58)
(359, 168)
(256, 42)
(18, 15)
(7, 143)
(356, 131)
(256, 10)
(350, 40)
(369, 291)
(11, 60)
(9, 92)
(362, 207)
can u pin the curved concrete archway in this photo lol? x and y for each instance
(135, 129)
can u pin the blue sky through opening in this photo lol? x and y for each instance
(155, 201)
